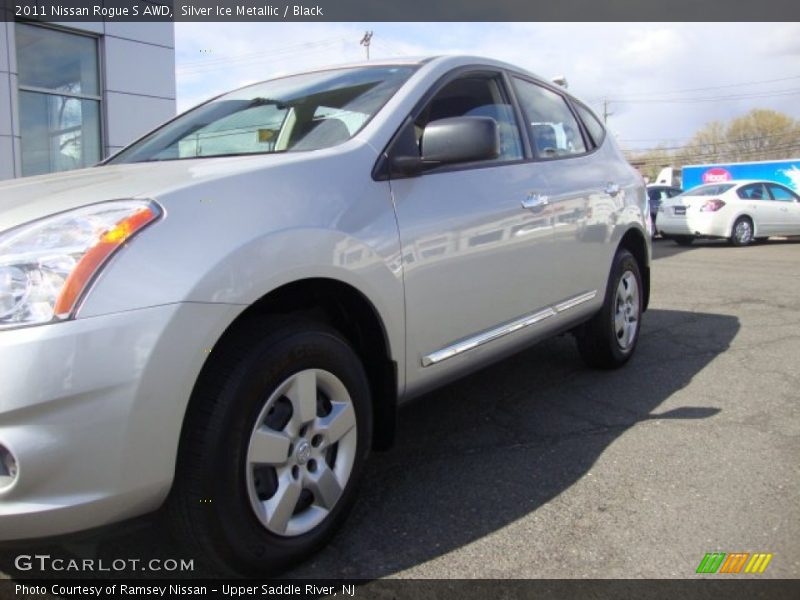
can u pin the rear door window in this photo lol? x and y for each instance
(754, 191)
(592, 123)
(553, 129)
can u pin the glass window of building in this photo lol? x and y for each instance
(59, 99)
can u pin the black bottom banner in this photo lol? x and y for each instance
(400, 589)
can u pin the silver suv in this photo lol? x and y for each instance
(223, 317)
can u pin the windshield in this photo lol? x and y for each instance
(710, 189)
(301, 112)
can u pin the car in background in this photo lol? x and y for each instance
(656, 194)
(223, 317)
(740, 211)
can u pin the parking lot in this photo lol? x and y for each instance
(538, 467)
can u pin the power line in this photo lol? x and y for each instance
(702, 89)
(606, 114)
(655, 139)
(738, 141)
(266, 60)
(719, 156)
(775, 94)
(366, 40)
(390, 47)
(734, 150)
(716, 151)
(253, 57)
(246, 55)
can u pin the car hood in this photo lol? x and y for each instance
(29, 198)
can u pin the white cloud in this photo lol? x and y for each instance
(631, 64)
(783, 40)
(652, 48)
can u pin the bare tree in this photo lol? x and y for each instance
(761, 134)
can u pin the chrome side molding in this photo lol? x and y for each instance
(505, 329)
(573, 302)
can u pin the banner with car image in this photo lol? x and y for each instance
(786, 172)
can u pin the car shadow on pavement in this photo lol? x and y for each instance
(664, 248)
(479, 454)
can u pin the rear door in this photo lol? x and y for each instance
(585, 188)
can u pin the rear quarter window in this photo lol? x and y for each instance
(593, 125)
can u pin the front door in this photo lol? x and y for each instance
(788, 204)
(476, 261)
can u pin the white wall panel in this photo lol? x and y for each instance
(129, 116)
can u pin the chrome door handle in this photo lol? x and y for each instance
(612, 189)
(535, 201)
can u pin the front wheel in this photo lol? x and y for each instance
(608, 340)
(272, 449)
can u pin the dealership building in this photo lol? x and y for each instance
(71, 95)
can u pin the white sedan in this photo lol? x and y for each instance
(741, 211)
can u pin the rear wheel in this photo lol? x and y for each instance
(609, 338)
(742, 232)
(272, 449)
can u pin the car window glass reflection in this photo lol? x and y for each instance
(302, 112)
(553, 128)
(475, 97)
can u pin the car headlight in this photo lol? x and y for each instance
(46, 266)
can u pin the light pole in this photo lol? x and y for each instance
(365, 41)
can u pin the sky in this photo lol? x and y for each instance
(662, 81)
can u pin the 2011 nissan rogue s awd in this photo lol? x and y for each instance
(222, 318)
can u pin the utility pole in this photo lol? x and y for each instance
(606, 114)
(365, 41)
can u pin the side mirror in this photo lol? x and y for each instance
(459, 140)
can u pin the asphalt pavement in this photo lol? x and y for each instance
(539, 467)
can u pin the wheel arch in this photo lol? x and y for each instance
(747, 216)
(634, 241)
(351, 313)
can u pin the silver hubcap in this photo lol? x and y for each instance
(743, 232)
(626, 312)
(301, 452)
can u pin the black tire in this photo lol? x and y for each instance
(598, 341)
(210, 505)
(741, 232)
(684, 240)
